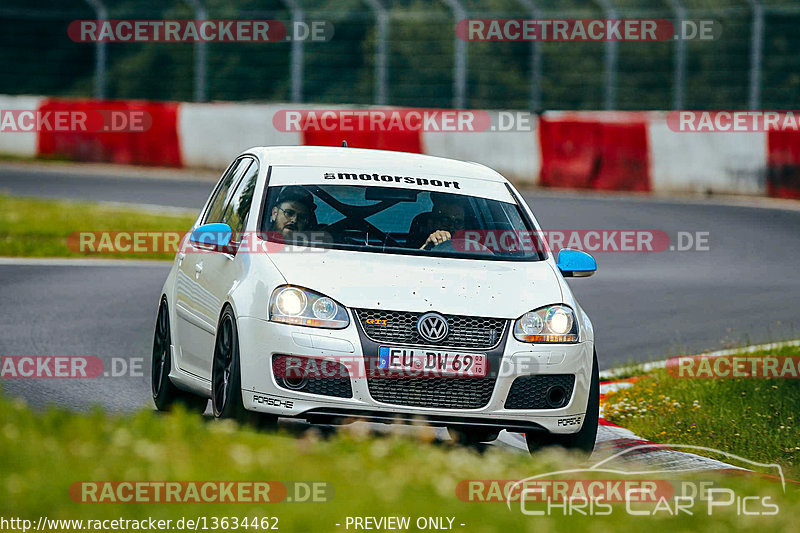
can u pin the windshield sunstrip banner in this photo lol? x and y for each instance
(385, 178)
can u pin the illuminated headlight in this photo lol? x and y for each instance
(295, 305)
(555, 323)
(291, 301)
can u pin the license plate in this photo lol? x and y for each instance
(436, 362)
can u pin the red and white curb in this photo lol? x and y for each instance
(609, 375)
(624, 445)
(614, 439)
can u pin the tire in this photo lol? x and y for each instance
(584, 440)
(469, 436)
(165, 394)
(226, 377)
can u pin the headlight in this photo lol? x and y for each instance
(291, 301)
(555, 323)
(295, 305)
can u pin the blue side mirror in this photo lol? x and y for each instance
(576, 264)
(217, 235)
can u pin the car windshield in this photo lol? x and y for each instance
(398, 220)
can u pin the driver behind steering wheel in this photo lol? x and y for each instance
(444, 220)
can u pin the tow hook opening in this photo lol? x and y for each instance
(556, 396)
(294, 383)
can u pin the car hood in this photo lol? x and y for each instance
(502, 289)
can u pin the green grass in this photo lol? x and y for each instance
(39, 228)
(753, 418)
(30, 159)
(43, 453)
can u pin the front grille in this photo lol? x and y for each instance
(530, 392)
(441, 393)
(334, 378)
(401, 328)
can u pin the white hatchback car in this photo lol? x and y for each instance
(334, 284)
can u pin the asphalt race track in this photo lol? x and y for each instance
(743, 289)
(97, 186)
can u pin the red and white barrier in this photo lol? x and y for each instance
(603, 151)
(158, 145)
(212, 134)
(19, 144)
(728, 163)
(783, 164)
(514, 154)
(610, 151)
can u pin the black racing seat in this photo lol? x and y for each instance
(417, 232)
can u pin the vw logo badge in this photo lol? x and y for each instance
(432, 327)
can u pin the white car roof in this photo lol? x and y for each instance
(334, 156)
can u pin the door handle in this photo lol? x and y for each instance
(198, 268)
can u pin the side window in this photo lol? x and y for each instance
(238, 208)
(217, 208)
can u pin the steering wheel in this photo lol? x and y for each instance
(361, 225)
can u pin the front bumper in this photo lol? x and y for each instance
(260, 339)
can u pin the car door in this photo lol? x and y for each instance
(220, 271)
(196, 308)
